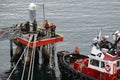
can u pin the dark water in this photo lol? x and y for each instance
(78, 20)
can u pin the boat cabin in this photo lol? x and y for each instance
(103, 62)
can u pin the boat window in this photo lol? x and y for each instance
(94, 62)
(102, 64)
(118, 63)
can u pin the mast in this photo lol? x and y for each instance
(43, 14)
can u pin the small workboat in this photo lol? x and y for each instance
(100, 64)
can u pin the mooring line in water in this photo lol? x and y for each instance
(18, 60)
(31, 67)
(26, 59)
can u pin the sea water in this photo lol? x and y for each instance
(78, 20)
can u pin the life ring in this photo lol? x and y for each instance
(107, 68)
(80, 68)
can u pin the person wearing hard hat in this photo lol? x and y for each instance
(46, 26)
(77, 51)
(104, 43)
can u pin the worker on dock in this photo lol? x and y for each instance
(52, 27)
(27, 26)
(34, 24)
(46, 26)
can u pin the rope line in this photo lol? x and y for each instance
(18, 61)
(32, 61)
(33, 57)
(30, 66)
(26, 59)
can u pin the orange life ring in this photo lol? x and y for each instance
(107, 68)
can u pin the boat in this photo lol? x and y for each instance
(100, 64)
(34, 51)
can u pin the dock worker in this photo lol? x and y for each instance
(27, 26)
(104, 43)
(52, 27)
(34, 25)
(46, 26)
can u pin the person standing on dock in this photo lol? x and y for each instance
(52, 27)
(34, 25)
(27, 26)
(46, 26)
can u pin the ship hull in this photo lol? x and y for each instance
(66, 69)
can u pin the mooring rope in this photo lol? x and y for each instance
(30, 66)
(34, 46)
(26, 59)
(18, 60)
(32, 60)
(40, 54)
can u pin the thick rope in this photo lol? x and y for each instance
(26, 59)
(16, 64)
(30, 66)
(33, 57)
(18, 61)
(32, 60)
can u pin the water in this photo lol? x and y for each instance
(78, 20)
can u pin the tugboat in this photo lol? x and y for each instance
(102, 63)
(35, 48)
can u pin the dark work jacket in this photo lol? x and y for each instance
(105, 44)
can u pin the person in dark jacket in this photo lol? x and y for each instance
(27, 26)
(104, 43)
(34, 26)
